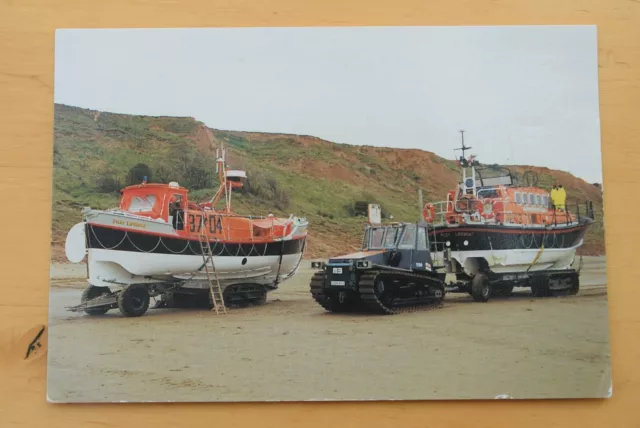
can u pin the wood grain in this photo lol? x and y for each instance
(26, 112)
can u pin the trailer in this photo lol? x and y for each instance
(485, 283)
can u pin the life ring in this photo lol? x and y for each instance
(483, 211)
(429, 213)
(463, 204)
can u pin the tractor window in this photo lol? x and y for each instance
(376, 238)
(390, 237)
(408, 241)
(422, 239)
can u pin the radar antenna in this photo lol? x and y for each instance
(463, 148)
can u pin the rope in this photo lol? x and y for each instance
(535, 260)
(530, 243)
(141, 250)
(174, 252)
(223, 247)
(102, 245)
(304, 247)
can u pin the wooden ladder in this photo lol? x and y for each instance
(210, 268)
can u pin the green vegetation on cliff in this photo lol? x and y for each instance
(98, 153)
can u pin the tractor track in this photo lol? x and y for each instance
(330, 303)
(368, 300)
(373, 304)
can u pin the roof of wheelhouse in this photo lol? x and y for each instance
(172, 185)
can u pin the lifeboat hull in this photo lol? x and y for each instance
(122, 250)
(507, 250)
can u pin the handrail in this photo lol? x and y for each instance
(448, 211)
(228, 228)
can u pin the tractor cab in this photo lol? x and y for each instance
(400, 245)
(393, 246)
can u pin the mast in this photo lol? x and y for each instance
(468, 180)
(222, 176)
(463, 148)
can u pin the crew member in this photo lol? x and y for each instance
(554, 197)
(562, 198)
(175, 210)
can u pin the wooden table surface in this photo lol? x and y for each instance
(26, 114)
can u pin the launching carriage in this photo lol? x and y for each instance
(494, 233)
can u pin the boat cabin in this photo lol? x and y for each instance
(499, 204)
(491, 194)
(157, 201)
(169, 203)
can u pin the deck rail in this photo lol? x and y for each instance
(470, 211)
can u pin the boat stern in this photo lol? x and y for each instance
(300, 228)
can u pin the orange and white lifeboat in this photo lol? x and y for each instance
(156, 234)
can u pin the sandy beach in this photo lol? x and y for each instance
(291, 349)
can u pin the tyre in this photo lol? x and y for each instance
(480, 288)
(540, 286)
(262, 300)
(91, 293)
(133, 301)
(575, 285)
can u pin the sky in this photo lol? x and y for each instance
(523, 95)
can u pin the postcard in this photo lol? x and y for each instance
(311, 214)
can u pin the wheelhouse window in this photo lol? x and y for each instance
(408, 240)
(518, 198)
(176, 211)
(488, 193)
(142, 203)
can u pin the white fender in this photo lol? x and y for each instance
(75, 245)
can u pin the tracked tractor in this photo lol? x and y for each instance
(391, 273)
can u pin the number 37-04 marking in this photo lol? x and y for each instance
(213, 223)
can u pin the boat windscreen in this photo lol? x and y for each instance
(142, 203)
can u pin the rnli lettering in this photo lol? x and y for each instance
(448, 234)
(212, 223)
(129, 223)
